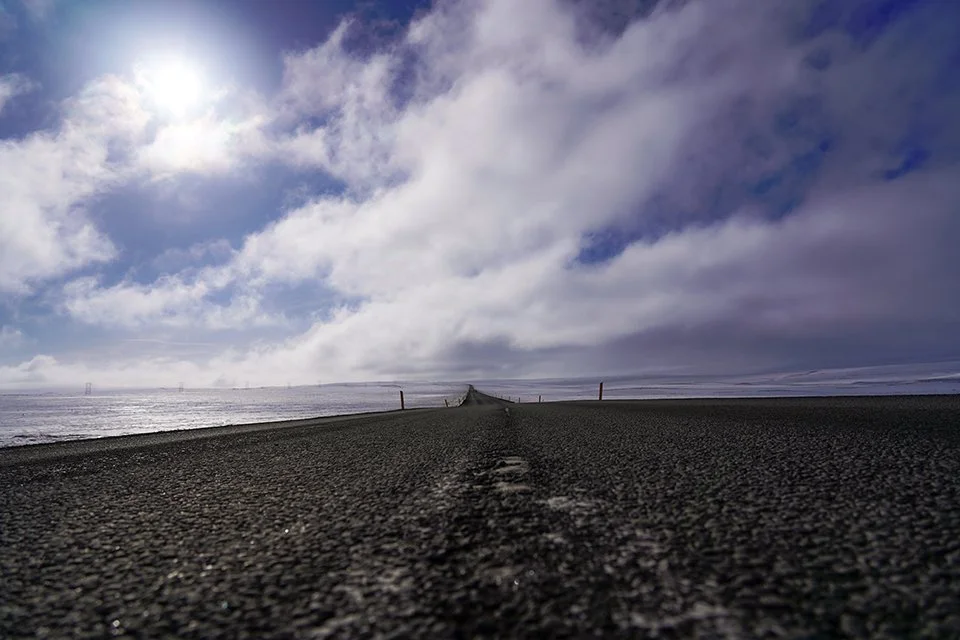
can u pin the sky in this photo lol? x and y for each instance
(227, 192)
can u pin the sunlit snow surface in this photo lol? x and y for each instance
(27, 418)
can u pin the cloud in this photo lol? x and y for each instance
(227, 135)
(352, 96)
(45, 370)
(47, 177)
(170, 301)
(518, 144)
(714, 185)
(12, 85)
(510, 158)
(827, 271)
(203, 146)
(105, 139)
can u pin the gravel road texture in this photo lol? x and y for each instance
(826, 517)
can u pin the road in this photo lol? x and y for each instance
(767, 518)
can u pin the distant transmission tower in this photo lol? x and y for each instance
(181, 387)
(88, 389)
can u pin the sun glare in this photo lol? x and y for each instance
(174, 86)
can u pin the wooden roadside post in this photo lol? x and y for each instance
(445, 403)
(402, 407)
(601, 391)
(539, 398)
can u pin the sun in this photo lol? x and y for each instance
(173, 85)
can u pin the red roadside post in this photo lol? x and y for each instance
(601, 391)
(401, 400)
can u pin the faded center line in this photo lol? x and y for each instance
(511, 468)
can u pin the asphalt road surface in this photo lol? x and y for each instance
(767, 518)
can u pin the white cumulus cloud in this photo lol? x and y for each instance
(46, 179)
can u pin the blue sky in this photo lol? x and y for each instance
(223, 191)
